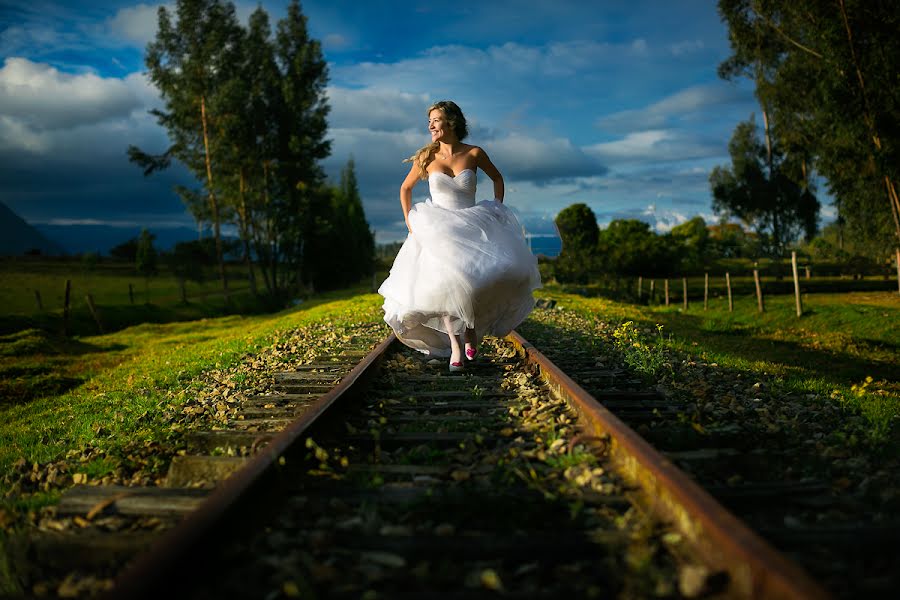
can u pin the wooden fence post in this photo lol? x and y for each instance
(807, 271)
(684, 290)
(640, 287)
(706, 290)
(759, 297)
(796, 282)
(37, 298)
(652, 289)
(667, 291)
(728, 286)
(130, 293)
(898, 270)
(90, 303)
(66, 307)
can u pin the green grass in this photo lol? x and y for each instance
(154, 300)
(845, 348)
(107, 282)
(119, 390)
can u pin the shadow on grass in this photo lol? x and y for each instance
(743, 342)
(696, 427)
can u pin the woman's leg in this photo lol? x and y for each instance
(455, 350)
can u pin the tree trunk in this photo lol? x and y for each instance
(213, 203)
(895, 203)
(245, 233)
(867, 117)
(776, 227)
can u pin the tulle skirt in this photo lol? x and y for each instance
(472, 265)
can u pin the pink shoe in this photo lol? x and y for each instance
(457, 366)
(471, 353)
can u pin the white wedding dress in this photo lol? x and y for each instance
(464, 260)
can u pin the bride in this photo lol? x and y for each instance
(465, 269)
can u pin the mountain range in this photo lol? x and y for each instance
(17, 237)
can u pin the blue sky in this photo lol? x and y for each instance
(615, 104)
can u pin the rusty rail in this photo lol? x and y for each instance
(168, 555)
(755, 569)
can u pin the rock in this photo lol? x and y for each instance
(692, 580)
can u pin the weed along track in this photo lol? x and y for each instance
(382, 476)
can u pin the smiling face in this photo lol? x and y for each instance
(440, 128)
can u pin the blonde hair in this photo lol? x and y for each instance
(454, 115)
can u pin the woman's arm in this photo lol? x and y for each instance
(406, 189)
(484, 163)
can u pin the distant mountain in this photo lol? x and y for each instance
(18, 237)
(78, 239)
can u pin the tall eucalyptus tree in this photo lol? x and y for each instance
(190, 61)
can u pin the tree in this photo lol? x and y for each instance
(146, 259)
(189, 62)
(758, 192)
(834, 73)
(302, 127)
(341, 248)
(188, 261)
(692, 241)
(577, 261)
(577, 227)
(628, 247)
(126, 251)
(730, 240)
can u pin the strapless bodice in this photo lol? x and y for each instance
(452, 192)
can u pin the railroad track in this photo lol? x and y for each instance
(381, 476)
(767, 482)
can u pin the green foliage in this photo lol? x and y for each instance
(245, 110)
(730, 240)
(693, 240)
(89, 260)
(577, 262)
(126, 251)
(828, 73)
(341, 248)
(146, 258)
(645, 357)
(628, 247)
(756, 190)
(577, 227)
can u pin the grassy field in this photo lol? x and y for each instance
(154, 300)
(60, 397)
(123, 389)
(844, 349)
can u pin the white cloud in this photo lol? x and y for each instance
(135, 24)
(504, 71)
(43, 98)
(15, 135)
(335, 41)
(376, 109)
(36, 38)
(686, 47)
(655, 145)
(522, 157)
(663, 220)
(687, 103)
(149, 221)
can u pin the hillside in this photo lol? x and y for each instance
(18, 237)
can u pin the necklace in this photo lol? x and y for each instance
(449, 155)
